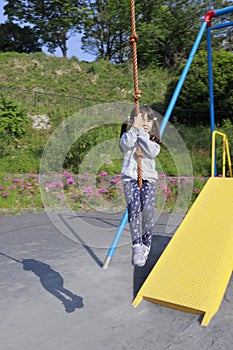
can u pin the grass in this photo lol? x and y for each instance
(100, 80)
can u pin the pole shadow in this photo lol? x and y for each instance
(83, 243)
(159, 243)
(52, 282)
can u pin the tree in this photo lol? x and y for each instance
(15, 38)
(107, 29)
(168, 29)
(195, 91)
(53, 21)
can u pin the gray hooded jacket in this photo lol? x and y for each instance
(150, 149)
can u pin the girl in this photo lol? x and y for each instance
(144, 131)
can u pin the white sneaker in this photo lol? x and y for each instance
(146, 251)
(138, 257)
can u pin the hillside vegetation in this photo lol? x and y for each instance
(21, 145)
(100, 80)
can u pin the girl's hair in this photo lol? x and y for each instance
(155, 131)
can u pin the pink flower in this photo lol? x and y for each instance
(66, 173)
(18, 181)
(168, 190)
(115, 181)
(196, 190)
(49, 185)
(103, 173)
(163, 186)
(70, 180)
(101, 190)
(5, 194)
(88, 190)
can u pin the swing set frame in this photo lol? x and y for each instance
(206, 26)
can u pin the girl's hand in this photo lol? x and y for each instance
(137, 123)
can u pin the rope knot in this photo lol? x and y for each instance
(137, 95)
(133, 38)
(138, 152)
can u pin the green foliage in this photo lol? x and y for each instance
(167, 30)
(87, 142)
(13, 120)
(19, 193)
(99, 80)
(227, 129)
(197, 140)
(15, 38)
(54, 21)
(106, 30)
(195, 91)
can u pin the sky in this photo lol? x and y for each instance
(73, 44)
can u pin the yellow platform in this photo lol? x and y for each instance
(194, 270)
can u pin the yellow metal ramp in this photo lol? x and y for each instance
(194, 270)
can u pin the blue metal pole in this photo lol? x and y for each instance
(116, 239)
(224, 25)
(182, 79)
(210, 77)
(211, 90)
(224, 11)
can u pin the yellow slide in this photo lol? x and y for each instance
(194, 270)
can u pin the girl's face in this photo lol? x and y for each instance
(146, 123)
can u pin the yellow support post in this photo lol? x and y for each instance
(225, 152)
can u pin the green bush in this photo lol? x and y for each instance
(195, 90)
(13, 119)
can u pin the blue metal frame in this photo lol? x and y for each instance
(204, 26)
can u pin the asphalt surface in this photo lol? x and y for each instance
(56, 295)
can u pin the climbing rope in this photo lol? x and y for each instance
(137, 93)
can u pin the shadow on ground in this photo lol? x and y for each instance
(52, 282)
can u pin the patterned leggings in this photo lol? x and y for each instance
(141, 210)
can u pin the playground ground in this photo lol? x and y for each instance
(55, 294)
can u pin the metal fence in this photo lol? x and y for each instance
(199, 117)
(35, 102)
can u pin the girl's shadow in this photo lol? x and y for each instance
(53, 282)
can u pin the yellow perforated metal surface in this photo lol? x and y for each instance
(193, 272)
